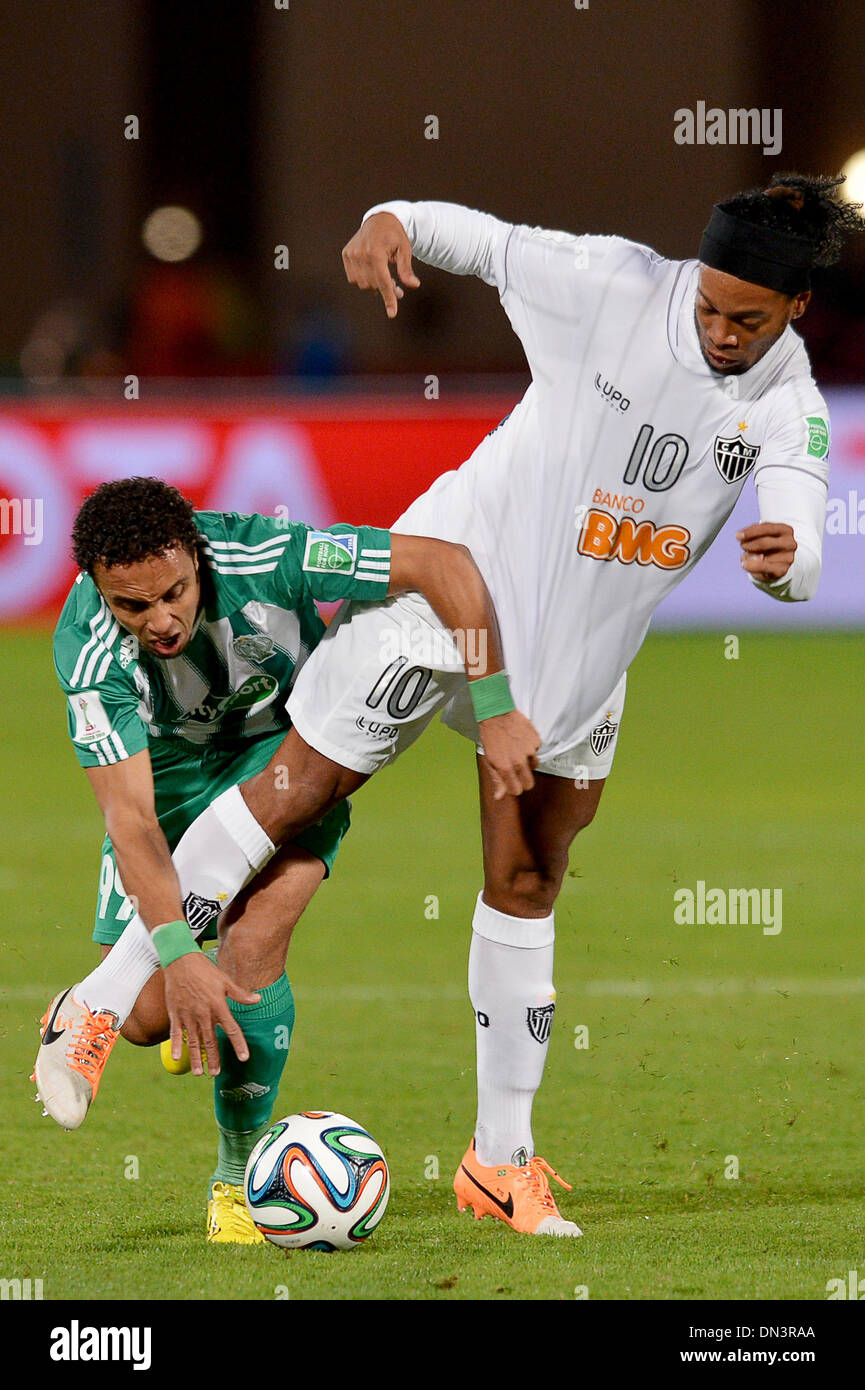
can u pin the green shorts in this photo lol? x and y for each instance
(184, 786)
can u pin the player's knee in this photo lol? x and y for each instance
(315, 788)
(143, 1029)
(526, 889)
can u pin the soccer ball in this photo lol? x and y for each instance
(316, 1181)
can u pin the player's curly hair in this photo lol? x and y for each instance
(803, 205)
(129, 520)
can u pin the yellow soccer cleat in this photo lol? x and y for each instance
(178, 1068)
(228, 1221)
(183, 1064)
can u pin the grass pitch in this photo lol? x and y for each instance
(712, 1050)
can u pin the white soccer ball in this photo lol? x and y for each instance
(316, 1181)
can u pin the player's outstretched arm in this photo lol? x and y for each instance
(195, 989)
(452, 584)
(446, 235)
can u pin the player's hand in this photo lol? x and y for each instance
(379, 246)
(510, 743)
(195, 991)
(768, 549)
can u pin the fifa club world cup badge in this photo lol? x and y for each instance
(88, 727)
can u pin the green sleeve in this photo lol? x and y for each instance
(345, 562)
(287, 562)
(102, 703)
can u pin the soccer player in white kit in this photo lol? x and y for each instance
(657, 388)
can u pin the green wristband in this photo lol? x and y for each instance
(173, 940)
(491, 695)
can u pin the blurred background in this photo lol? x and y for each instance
(179, 179)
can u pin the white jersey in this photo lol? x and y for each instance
(617, 469)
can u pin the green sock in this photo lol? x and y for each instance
(244, 1093)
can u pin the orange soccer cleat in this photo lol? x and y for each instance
(521, 1197)
(72, 1056)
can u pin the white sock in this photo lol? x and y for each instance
(217, 856)
(118, 980)
(511, 990)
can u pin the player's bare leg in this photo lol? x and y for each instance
(297, 787)
(254, 937)
(525, 841)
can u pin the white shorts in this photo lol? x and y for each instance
(383, 671)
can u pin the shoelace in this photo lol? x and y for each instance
(536, 1171)
(90, 1048)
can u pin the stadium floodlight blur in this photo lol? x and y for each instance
(854, 172)
(172, 233)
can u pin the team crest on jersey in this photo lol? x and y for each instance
(734, 458)
(602, 736)
(128, 650)
(540, 1021)
(253, 646)
(199, 911)
(326, 553)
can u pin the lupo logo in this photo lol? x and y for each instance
(611, 394)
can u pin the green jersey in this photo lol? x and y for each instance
(257, 624)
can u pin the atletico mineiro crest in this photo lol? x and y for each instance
(602, 736)
(540, 1021)
(199, 911)
(734, 458)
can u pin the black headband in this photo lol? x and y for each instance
(761, 255)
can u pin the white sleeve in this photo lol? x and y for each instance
(548, 282)
(791, 497)
(792, 485)
(454, 238)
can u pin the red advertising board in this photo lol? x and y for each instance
(352, 461)
(357, 459)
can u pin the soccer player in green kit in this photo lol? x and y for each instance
(177, 648)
